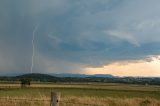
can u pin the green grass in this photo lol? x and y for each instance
(79, 92)
(105, 95)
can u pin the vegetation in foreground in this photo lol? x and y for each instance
(79, 101)
(79, 95)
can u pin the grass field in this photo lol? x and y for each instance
(81, 94)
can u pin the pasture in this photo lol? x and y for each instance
(74, 94)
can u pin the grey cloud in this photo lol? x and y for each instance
(76, 34)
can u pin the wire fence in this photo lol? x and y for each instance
(48, 100)
(24, 99)
(84, 104)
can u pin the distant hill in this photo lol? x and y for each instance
(82, 78)
(55, 77)
(83, 75)
(38, 77)
(102, 75)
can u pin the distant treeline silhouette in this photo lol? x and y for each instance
(50, 78)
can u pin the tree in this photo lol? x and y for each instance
(25, 82)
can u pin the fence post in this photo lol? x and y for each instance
(55, 98)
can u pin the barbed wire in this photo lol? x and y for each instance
(10, 99)
(80, 103)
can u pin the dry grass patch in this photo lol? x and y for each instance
(79, 101)
(109, 101)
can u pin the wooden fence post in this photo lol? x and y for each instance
(55, 98)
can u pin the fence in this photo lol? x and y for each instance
(54, 100)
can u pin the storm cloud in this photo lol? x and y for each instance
(74, 34)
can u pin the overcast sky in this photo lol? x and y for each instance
(72, 36)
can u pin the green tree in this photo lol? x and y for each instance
(25, 82)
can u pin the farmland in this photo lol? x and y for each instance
(79, 94)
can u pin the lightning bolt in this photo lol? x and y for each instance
(33, 47)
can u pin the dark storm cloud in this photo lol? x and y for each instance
(73, 34)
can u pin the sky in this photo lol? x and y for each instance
(118, 37)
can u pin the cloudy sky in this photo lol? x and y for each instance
(119, 37)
